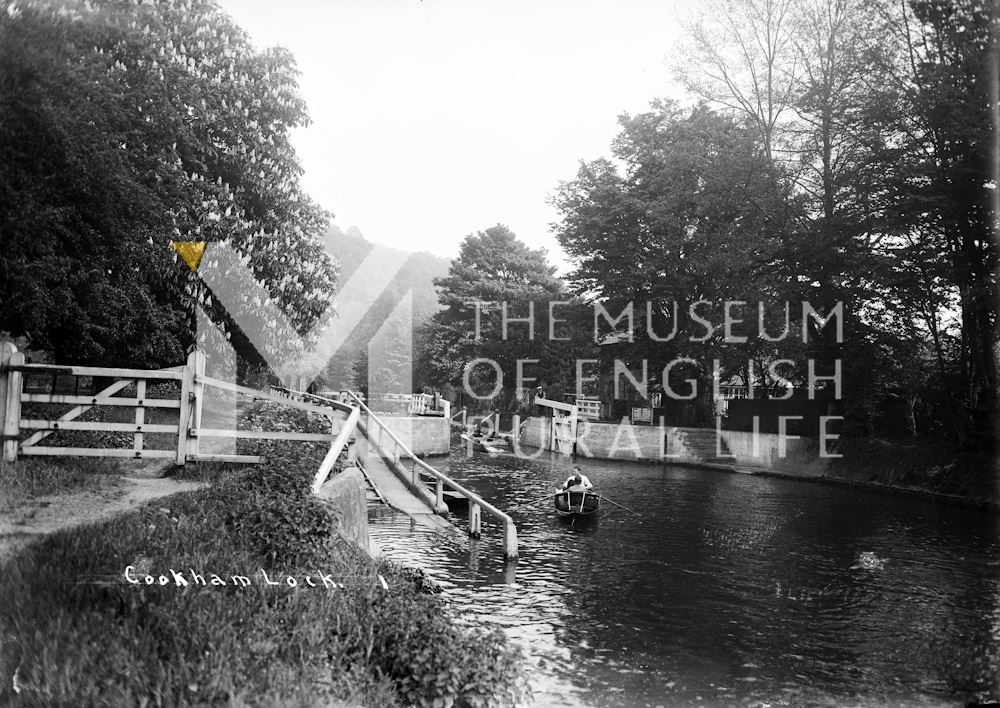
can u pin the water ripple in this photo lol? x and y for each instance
(725, 589)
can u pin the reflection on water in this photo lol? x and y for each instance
(724, 589)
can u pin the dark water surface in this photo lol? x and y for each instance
(725, 589)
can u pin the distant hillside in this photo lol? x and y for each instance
(418, 274)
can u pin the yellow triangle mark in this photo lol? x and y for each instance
(190, 251)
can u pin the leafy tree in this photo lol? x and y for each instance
(943, 70)
(496, 270)
(124, 126)
(696, 215)
(879, 117)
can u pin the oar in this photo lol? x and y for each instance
(617, 504)
(547, 496)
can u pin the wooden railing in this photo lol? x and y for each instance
(22, 435)
(413, 403)
(477, 505)
(13, 371)
(464, 413)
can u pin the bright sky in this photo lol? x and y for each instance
(433, 119)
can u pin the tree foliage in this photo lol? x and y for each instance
(860, 177)
(695, 215)
(124, 126)
(944, 77)
(499, 272)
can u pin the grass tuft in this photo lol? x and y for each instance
(29, 478)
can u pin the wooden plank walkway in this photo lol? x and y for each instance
(397, 494)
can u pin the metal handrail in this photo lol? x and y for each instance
(338, 444)
(476, 503)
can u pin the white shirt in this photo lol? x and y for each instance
(584, 485)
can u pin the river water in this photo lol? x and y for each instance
(724, 589)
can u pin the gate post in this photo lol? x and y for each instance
(198, 392)
(186, 409)
(10, 399)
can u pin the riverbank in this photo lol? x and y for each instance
(239, 593)
(927, 468)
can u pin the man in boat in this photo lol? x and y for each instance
(578, 482)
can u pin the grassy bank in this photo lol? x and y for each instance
(920, 466)
(30, 478)
(39, 476)
(90, 637)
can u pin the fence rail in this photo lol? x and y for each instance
(464, 413)
(188, 429)
(413, 403)
(477, 505)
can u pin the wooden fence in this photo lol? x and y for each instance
(411, 403)
(187, 384)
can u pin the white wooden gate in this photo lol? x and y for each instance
(21, 436)
(564, 425)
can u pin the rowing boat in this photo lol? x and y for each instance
(490, 445)
(576, 503)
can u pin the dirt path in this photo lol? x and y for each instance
(44, 515)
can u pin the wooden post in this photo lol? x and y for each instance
(186, 410)
(10, 388)
(475, 519)
(515, 431)
(574, 420)
(438, 493)
(6, 350)
(140, 413)
(509, 540)
(352, 451)
(198, 390)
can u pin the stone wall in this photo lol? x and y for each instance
(725, 448)
(425, 435)
(346, 494)
(800, 457)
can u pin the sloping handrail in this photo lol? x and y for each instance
(476, 503)
(338, 444)
(336, 447)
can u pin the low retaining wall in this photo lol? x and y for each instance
(800, 458)
(425, 435)
(725, 448)
(922, 468)
(345, 493)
